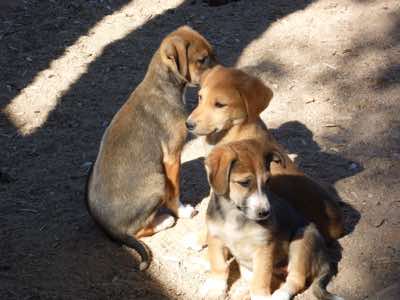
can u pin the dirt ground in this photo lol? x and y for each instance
(67, 66)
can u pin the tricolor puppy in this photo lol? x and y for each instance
(137, 167)
(230, 102)
(261, 231)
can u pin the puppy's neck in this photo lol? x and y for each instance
(244, 130)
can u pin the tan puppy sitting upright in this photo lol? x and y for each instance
(137, 167)
(230, 102)
(261, 231)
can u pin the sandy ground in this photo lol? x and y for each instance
(67, 67)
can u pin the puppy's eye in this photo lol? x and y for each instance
(200, 98)
(219, 104)
(202, 60)
(245, 183)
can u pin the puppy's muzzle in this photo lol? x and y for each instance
(263, 214)
(190, 125)
(260, 214)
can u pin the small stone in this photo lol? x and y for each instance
(86, 165)
(379, 223)
(353, 166)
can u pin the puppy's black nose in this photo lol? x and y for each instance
(190, 125)
(263, 214)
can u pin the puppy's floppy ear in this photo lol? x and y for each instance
(174, 53)
(218, 165)
(274, 155)
(256, 96)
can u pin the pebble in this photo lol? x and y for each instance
(353, 166)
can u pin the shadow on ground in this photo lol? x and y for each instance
(326, 166)
(50, 247)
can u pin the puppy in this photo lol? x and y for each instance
(137, 167)
(230, 102)
(260, 230)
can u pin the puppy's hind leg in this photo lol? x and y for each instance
(307, 259)
(300, 258)
(172, 202)
(158, 223)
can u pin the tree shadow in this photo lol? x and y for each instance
(37, 32)
(327, 167)
(330, 167)
(194, 184)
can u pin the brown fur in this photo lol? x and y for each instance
(137, 168)
(260, 244)
(230, 102)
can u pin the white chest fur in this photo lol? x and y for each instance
(240, 235)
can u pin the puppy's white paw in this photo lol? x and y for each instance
(214, 289)
(246, 274)
(281, 295)
(260, 297)
(240, 292)
(192, 241)
(186, 211)
(164, 222)
(293, 156)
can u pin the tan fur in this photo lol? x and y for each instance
(262, 246)
(217, 258)
(137, 168)
(263, 265)
(234, 122)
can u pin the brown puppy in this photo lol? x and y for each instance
(137, 168)
(230, 102)
(258, 228)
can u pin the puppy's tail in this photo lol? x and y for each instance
(127, 240)
(139, 247)
(319, 284)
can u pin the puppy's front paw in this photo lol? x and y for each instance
(246, 274)
(281, 295)
(240, 292)
(214, 289)
(186, 211)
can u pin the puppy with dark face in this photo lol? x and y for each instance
(230, 102)
(137, 167)
(259, 229)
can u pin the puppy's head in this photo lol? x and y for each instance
(187, 54)
(227, 97)
(240, 171)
